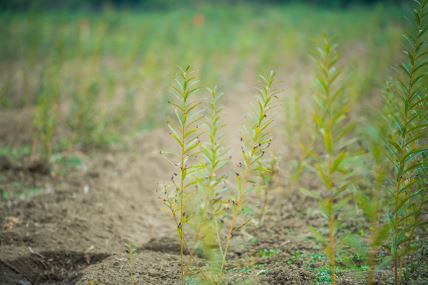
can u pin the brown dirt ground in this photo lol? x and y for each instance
(76, 229)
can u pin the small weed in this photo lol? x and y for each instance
(5, 196)
(323, 276)
(254, 241)
(297, 256)
(24, 194)
(317, 263)
(71, 161)
(268, 252)
(15, 153)
(131, 249)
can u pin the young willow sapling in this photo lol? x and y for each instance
(185, 133)
(407, 102)
(45, 119)
(255, 140)
(371, 202)
(212, 203)
(330, 115)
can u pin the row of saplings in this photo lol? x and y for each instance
(392, 195)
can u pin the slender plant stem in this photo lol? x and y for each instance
(374, 226)
(220, 246)
(332, 251)
(236, 210)
(182, 177)
(395, 233)
(265, 201)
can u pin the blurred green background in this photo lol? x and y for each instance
(97, 4)
(96, 71)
